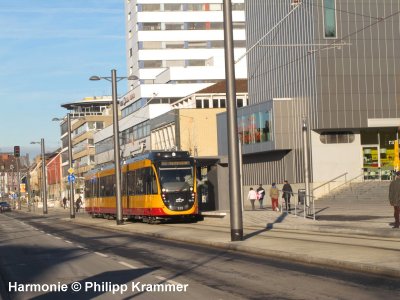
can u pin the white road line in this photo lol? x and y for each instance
(49, 234)
(42, 231)
(101, 254)
(79, 246)
(58, 238)
(173, 282)
(161, 278)
(127, 265)
(169, 281)
(69, 242)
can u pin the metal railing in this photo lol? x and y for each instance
(300, 200)
(330, 181)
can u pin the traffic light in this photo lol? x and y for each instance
(17, 152)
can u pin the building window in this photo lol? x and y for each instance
(172, 7)
(329, 19)
(174, 26)
(151, 26)
(150, 7)
(254, 128)
(336, 137)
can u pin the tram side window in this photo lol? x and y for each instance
(150, 183)
(142, 182)
(139, 185)
(88, 186)
(131, 182)
(107, 186)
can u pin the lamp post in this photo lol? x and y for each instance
(233, 140)
(71, 184)
(114, 79)
(306, 172)
(44, 184)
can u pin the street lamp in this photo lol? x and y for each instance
(233, 140)
(44, 184)
(114, 79)
(70, 169)
(306, 172)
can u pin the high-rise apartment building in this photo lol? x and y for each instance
(174, 48)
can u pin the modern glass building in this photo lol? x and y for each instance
(333, 64)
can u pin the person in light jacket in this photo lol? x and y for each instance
(274, 194)
(252, 196)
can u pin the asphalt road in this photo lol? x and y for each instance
(36, 250)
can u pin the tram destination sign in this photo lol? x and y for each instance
(175, 163)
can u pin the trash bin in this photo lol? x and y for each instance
(301, 194)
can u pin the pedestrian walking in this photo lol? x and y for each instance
(274, 194)
(252, 196)
(287, 192)
(394, 198)
(260, 196)
(64, 202)
(78, 203)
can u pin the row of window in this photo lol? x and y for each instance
(85, 127)
(127, 136)
(136, 132)
(336, 137)
(138, 182)
(188, 7)
(83, 145)
(145, 26)
(216, 103)
(134, 107)
(149, 64)
(185, 45)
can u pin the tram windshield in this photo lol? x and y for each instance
(176, 179)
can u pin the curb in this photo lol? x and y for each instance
(242, 247)
(235, 246)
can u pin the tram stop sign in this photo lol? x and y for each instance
(71, 178)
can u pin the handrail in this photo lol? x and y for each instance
(344, 174)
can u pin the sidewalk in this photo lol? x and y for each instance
(359, 241)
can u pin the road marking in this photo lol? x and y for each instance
(127, 265)
(42, 231)
(161, 278)
(101, 254)
(58, 238)
(49, 234)
(169, 281)
(79, 246)
(69, 242)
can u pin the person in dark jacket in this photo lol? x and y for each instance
(78, 203)
(394, 198)
(287, 192)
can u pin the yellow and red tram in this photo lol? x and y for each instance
(158, 185)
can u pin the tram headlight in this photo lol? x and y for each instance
(191, 189)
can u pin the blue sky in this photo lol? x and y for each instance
(48, 50)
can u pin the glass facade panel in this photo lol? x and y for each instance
(254, 128)
(329, 19)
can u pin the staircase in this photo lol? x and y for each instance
(357, 201)
(366, 191)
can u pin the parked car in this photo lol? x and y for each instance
(5, 206)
